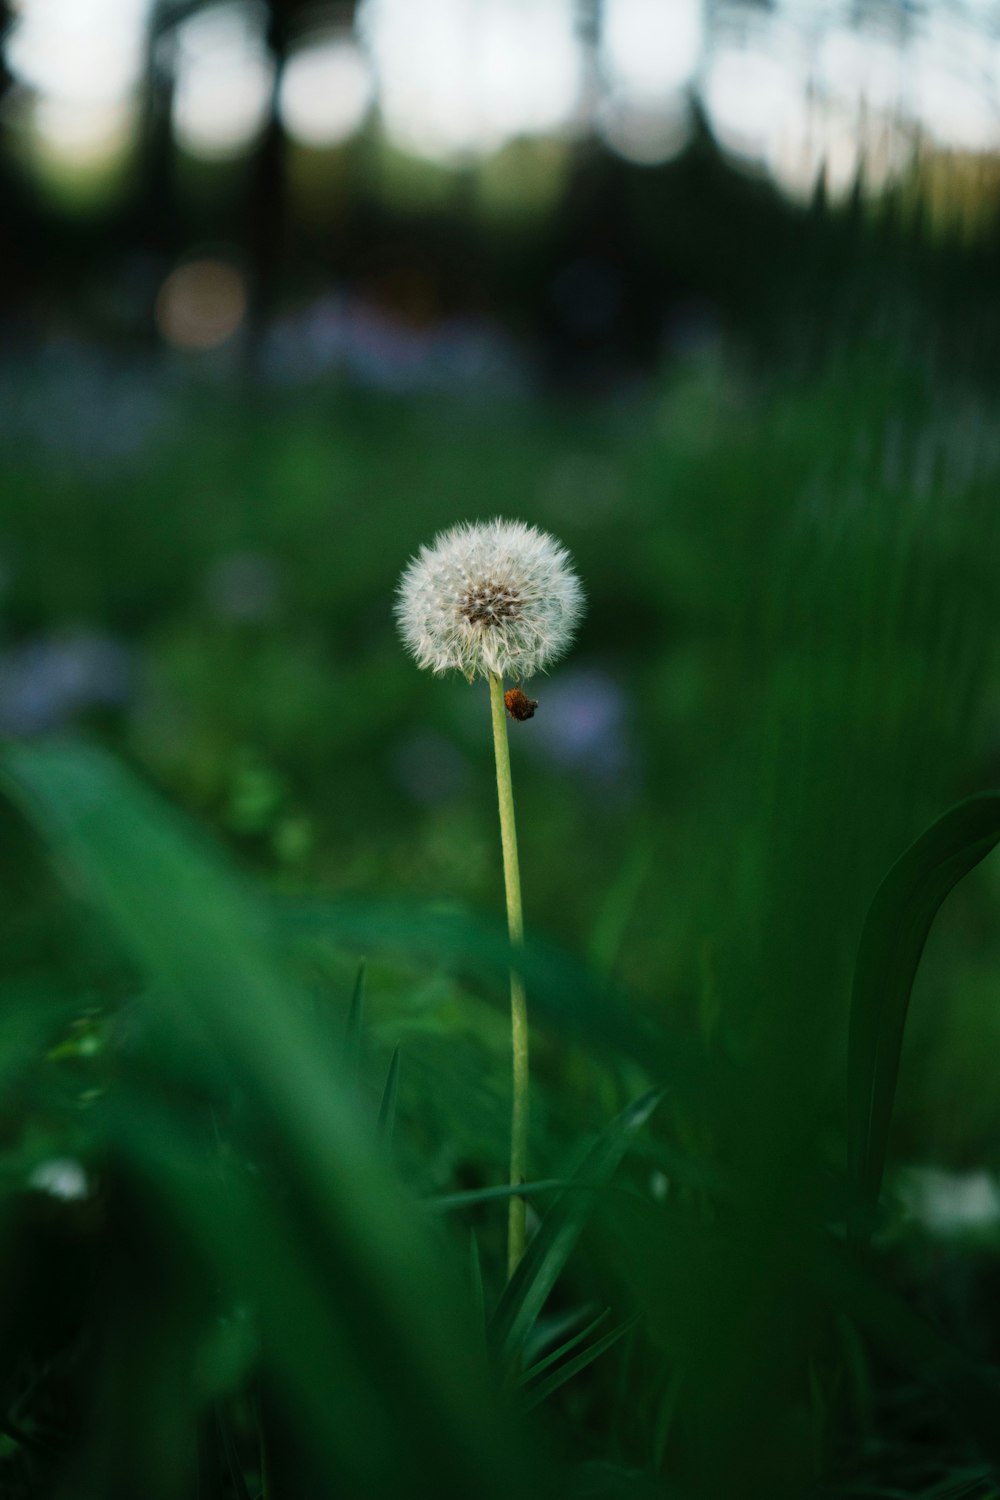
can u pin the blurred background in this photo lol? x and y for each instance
(711, 290)
(708, 289)
(476, 190)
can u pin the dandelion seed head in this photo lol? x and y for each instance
(490, 597)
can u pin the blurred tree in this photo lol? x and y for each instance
(6, 17)
(267, 207)
(616, 256)
(156, 197)
(16, 213)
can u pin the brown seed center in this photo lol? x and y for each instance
(489, 603)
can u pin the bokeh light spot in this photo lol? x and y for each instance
(89, 53)
(224, 81)
(82, 135)
(326, 92)
(645, 135)
(459, 78)
(201, 304)
(651, 48)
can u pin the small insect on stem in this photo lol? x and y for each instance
(519, 705)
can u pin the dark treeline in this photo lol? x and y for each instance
(617, 266)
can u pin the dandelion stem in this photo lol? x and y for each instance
(518, 1003)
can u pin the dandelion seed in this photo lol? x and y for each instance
(496, 598)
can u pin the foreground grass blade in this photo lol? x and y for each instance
(364, 1336)
(547, 1253)
(892, 941)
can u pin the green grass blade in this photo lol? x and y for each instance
(892, 941)
(355, 1025)
(387, 1105)
(478, 1286)
(559, 1377)
(233, 1466)
(554, 1328)
(547, 1253)
(561, 1351)
(447, 1202)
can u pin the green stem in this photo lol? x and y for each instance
(518, 1003)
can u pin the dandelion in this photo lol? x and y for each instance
(496, 600)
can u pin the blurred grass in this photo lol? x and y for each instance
(791, 600)
(788, 669)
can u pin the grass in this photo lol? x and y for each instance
(294, 1220)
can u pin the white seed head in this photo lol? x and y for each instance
(491, 597)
